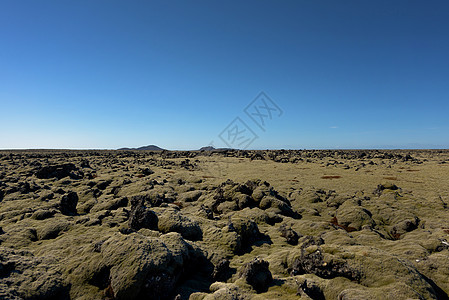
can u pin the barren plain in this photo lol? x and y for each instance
(232, 224)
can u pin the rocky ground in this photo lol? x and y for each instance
(224, 224)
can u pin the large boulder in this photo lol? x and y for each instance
(224, 240)
(171, 220)
(257, 274)
(314, 260)
(247, 230)
(25, 276)
(141, 216)
(289, 234)
(68, 203)
(353, 217)
(144, 268)
(222, 271)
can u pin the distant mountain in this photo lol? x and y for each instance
(148, 148)
(210, 148)
(207, 148)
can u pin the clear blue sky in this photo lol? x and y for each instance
(109, 74)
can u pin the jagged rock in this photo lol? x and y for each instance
(146, 171)
(311, 290)
(289, 234)
(59, 172)
(257, 274)
(403, 227)
(393, 246)
(222, 271)
(247, 229)
(141, 216)
(313, 261)
(68, 203)
(386, 186)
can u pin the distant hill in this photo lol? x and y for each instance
(210, 148)
(207, 148)
(148, 148)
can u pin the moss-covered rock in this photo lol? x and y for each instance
(171, 220)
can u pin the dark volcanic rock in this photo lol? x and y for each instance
(381, 187)
(59, 171)
(257, 274)
(158, 286)
(102, 185)
(289, 234)
(314, 262)
(141, 216)
(222, 271)
(146, 171)
(247, 229)
(68, 203)
(26, 187)
(311, 290)
(153, 200)
(403, 227)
